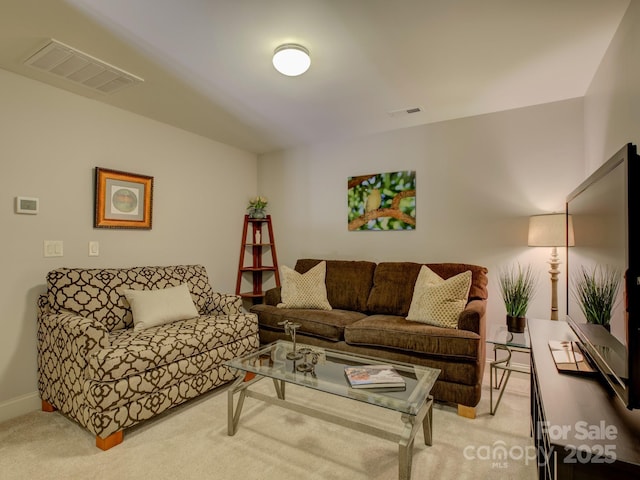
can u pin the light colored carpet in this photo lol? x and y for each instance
(191, 442)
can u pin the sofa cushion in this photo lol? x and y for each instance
(396, 332)
(479, 279)
(393, 284)
(348, 282)
(304, 290)
(437, 301)
(132, 352)
(156, 307)
(107, 395)
(392, 289)
(98, 292)
(327, 324)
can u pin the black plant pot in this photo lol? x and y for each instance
(516, 324)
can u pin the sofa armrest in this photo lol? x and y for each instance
(473, 317)
(272, 296)
(224, 304)
(80, 335)
(65, 343)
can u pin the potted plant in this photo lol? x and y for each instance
(517, 284)
(596, 289)
(257, 207)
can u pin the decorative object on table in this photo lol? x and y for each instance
(596, 290)
(257, 207)
(310, 360)
(552, 230)
(290, 329)
(517, 285)
(383, 201)
(374, 376)
(569, 358)
(123, 200)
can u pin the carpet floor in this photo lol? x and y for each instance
(272, 443)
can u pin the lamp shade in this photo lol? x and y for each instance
(291, 59)
(550, 230)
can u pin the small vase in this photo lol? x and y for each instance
(516, 324)
(257, 214)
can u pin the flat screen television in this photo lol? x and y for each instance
(603, 210)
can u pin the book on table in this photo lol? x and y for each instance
(374, 376)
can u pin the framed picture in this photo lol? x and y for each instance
(382, 201)
(123, 200)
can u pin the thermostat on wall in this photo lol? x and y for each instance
(28, 205)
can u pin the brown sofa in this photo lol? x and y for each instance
(369, 304)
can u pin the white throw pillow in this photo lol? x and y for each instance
(156, 307)
(304, 290)
(437, 301)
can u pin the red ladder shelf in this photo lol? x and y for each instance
(253, 239)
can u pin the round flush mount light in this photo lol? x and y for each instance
(291, 59)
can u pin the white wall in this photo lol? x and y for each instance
(478, 180)
(50, 142)
(612, 102)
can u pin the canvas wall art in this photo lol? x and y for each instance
(382, 201)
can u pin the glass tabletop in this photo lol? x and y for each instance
(328, 375)
(499, 335)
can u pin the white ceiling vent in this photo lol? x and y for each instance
(61, 60)
(404, 111)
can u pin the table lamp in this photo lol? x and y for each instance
(550, 230)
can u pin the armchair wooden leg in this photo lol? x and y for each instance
(468, 412)
(110, 441)
(47, 407)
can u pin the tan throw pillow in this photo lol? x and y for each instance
(156, 307)
(437, 301)
(304, 290)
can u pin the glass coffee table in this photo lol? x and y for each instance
(322, 369)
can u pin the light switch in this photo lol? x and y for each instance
(53, 248)
(94, 249)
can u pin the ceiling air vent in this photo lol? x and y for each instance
(61, 60)
(405, 111)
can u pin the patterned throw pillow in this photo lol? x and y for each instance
(151, 308)
(437, 301)
(304, 290)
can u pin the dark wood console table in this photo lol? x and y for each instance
(581, 430)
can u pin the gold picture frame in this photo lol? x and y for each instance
(123, 200)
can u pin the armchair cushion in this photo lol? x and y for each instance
(97, 293)
(156, 307)
(133, 352)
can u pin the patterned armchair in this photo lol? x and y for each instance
(97, 369)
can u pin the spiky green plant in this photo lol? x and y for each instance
(595, 289)
(518, 285)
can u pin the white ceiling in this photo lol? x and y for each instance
(207, 63)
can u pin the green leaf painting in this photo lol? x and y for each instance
(382, 201)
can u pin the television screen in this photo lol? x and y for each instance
(601, 209)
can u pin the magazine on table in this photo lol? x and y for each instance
(374, 376)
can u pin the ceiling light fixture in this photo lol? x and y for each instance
(291, 59)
